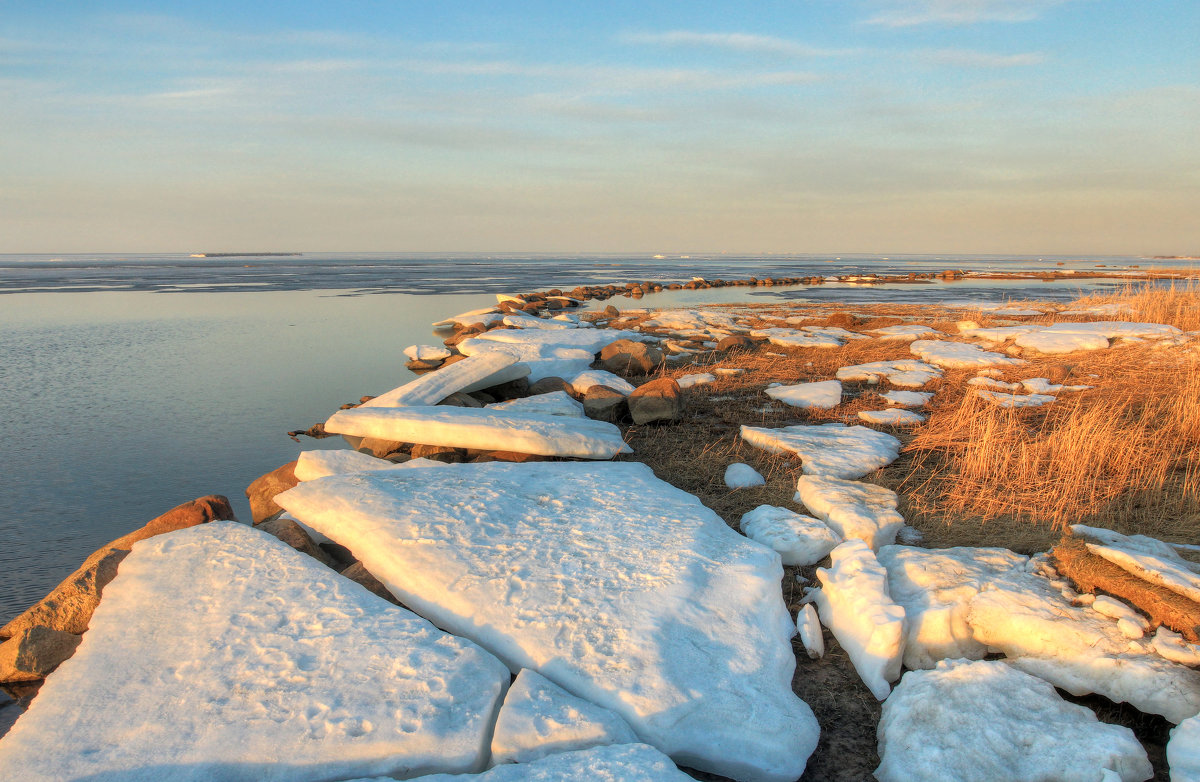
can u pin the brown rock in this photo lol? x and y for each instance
(612, 311)
(504, 456)
(550, 384)
(513, 389)
(482, 397)
(378, 448)
(604, 404)
(262, 491)
(35, 652)
(294, 535)
(69, 605)
(422, 365)
(360, 575)
(630, 358)
(735, 341)
(459, 399)
(439, 453)
(454, 358)
(658, 400)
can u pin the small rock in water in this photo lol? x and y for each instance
(261, 493)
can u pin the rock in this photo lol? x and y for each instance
(513, 389)
(549, 385)
(294, 535)
(505, 456)
(658, 400)
(422, 365)
(735, 341)
(35, 652)
(338, 553)
(459, 399)
(438, 453)
(361, 576)
(69, 605)
(604, 404)
(612, 311)
(262, 491)
(627, 357)
(378, 447)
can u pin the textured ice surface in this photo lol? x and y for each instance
(616, 763)
(318, 464)
(693, 320)
(1183, 751)
(1069, 337)
(611, 583)
(470, 427)
(1009, 400)
(892, 417)
(808, 625)
(984, 721)
(908, 398)
(539, 718)
(823, 395)
(828, 449)
(542, 360)
(854, 604)
(852, 508)
(935, 587)
(1027, 618)
(553, 403)
(470, 374)
(1171, 645)
(219, 652)
(800, 540)
(905, 332)
(526, 322)
(600, 377)
(687, 381)
(426, 352)
(959, 355)
(740, 475)
(797, 338)
(903, 373)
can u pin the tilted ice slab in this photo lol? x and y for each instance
(851, 508)
(959, 355)
(591, 340)
(617, 763)
(219, 652)
(426, 352)
(553, 403)
(823, 395)
(318, 464)
(984, 721)
(935, 587)
(526, 322)
(891, 417)
(582, 381)
(1069, 337)
(485, 317)
(1008, 400)
(539, 718)
(1183, 751)
(797, 338)
(541, 360)
(799, 540)
(470, 374)
(854, 604)
(829, 449)
(470, 427)
(611, 583)
(1027, 618)
(906, 332)
(1163, 571)
(902, 373)
(740, 475)
(908, 398)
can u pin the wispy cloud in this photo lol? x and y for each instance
(740, 42)
(969, 58)
(910, 13)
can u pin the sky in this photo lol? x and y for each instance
(873, 126)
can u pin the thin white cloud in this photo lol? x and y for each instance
(910, 13)
(969, 58)
(740, 42)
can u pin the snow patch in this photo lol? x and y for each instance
(829, 449)
(799, 540)
(740, 475)
(824, 395)
(851, 508)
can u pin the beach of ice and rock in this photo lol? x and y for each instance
(485, 581)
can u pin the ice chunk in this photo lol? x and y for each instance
(992, 384)
(542, 360)
(468, 427)
(959, 355)
(614, 763)
(539, 718)
(687, 381)
(907, 398)
(219, 652)
(1171, 646)
(851, 508)
(906, 332)
(600, 377)
(613, 584)
(318, 464)
(935, 587)
(1162, 571)
(1069, 337)
(1055, 342)
(591, 340)
(800, 540)
(526, 322)
(553, 403)
(796, 338)
(1183, 751)
(426, 352)
(828, 449)
(855, 605)
(740, 475)
(1132, 544)
(1040, 385)
(809, 628)
(892, 417)
(903, 373)
(484, 317)
(697, 320)
(810, 396)
(984, 721)
(994, 334)
(1129, 622)
(1007, 400)
(470, 374)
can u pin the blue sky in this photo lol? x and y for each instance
(1007, 126)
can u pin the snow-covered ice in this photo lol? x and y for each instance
(613, 584)
(539, 718)
(600, 377)
(526, 322)
(891, 417)
(854, 604)
(484, 317)
(470, 374)
(992, 384)
(800, 540)
(907, 398)
(822, 395)
(959, 355)
(740, 475)
(828, 449)
(553, 403)
(1069, 337)
(1172, 573)
(1183, 751)
(797, 338)
(902, 373)
(219, 652)
(935, 587)
(1129, 621)
(614, 763)
(1040, 385)
(1172, 646)
(906, 332)
(808, 626)
(693, 320)
(1009, 400)
(426, 352)
(984, 721)
(700, 379)
(469, 427)
(591, 340)
(317, 464)
(853, 509)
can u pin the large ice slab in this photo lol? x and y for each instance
(800, 540)
(553, 403)
(984, 721)
(851, 508)
(541, 359)
(1069, 337)
(828, 449)
(219, 652)
(798, 338)
(693, 320)
(959, 355)
(822, 395)
(617, 763)
(904, 373)
(591, 340)
(318, 464)
(935, 587)
(469, 427)
(1183, 751)
(539, 718)
(527, 322)
(854, 604)
(470, 374)
(613, 584)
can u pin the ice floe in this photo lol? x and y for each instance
(822, 395)
(1009, 400)
(851, 508)
(426, 352)
(907, 398)
(318, 464)
(526, 322)
(703, 378)
(468, 427)
(906, 332)
(984, 721)
(902, 373)
(808, 626)
(539, 718)
(798, 338)
(1069, 337)
(1183, 751)
(959, 355)
(828, 449)
(854, 604)
(892, 417)
(740, 475)
(600, 377)
(470, 374)
(219, 652)
(799, 540)
(553, 403)
(611, 583)
(614, 763)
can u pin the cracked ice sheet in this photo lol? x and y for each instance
(823, 395)
(470, 374)
(617, 763)
(800, 540)
(851, 508)
(1026, 618)
(553, 403)
(959, 355)
(829, 449)
(219, 652)
(984, 721)
(611, 583)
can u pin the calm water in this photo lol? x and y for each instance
(131, 384)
